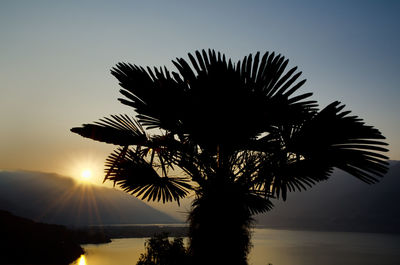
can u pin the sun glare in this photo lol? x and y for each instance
(86, 174)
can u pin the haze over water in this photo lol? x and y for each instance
(279, 247)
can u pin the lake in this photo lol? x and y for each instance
(279, 247)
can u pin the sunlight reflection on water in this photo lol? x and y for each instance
(122, 251)
(80, 261)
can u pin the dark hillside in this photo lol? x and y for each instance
(27, 242)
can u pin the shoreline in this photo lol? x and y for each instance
(137, 231)
(148, 230)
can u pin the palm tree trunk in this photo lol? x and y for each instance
(219, 227)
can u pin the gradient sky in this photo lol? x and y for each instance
(55, 58)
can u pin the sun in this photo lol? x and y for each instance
(86, 174)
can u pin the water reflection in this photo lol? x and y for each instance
(80, 261)
(123, 251)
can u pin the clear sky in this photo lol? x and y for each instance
(55, 58)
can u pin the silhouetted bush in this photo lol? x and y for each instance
(161, 251)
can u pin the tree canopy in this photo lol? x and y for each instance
(245, 122)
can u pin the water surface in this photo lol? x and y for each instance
(279, 247)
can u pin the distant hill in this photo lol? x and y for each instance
(342, 203)
(51, 198)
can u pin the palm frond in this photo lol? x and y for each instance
(257, 204)
(154, 94)
(185, 102)
(237, 102)
(335, 139)
(280, 178)
(303, 154)
(135, 175)
(119, 130)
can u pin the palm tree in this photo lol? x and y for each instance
(235, 135)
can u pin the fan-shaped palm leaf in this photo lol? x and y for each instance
(156, 96)
(257, 204)
(344, 142)
(330, 139)
(118, 130)
(138, 177)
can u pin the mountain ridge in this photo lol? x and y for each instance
(341, 203)
(52, 198)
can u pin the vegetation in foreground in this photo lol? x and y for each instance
(161, 250)
(240, 135)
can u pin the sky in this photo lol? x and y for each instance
(56, 56)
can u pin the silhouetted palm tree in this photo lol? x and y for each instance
(237, 135)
